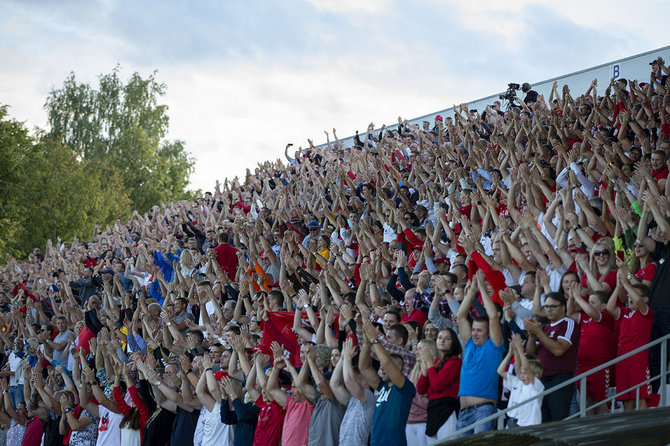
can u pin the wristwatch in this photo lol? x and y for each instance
(68, 409)
(375, 341)
(305, 306)
(157, 383)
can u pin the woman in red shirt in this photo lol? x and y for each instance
(440, 379)
(600, 272)
(643, 266)
(134, 418)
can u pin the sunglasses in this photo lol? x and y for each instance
(551, 306)
(601, 253)
(638, 245)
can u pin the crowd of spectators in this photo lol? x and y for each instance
(373, 294)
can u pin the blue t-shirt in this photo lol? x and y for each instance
(391, 413)
(479, 375)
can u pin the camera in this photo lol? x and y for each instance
(510, 95)
(511, 92)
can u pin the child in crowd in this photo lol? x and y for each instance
(636, 322)
(523, 386)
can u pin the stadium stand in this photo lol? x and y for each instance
(390, 292)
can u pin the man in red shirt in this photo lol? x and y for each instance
(556, 346)
(659, 170)
(226, 256)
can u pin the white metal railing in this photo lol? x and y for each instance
(499, 416)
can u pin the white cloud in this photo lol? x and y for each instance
(234, 112)
(350, 6)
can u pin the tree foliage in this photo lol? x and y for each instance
(120, 128)
(48, 192)
(103, 156)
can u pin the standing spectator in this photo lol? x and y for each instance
(531, 95)
(523, 385)
(483, 351)
(555, 344)
(659, 298)
(299, 404)
(61, 341)
(597, 326)
(636, 325)
(87, 286)
(359, 399)
(226, 256)
(440, 379)
(395, 392)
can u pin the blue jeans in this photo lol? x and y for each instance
(16, 394)
(469, 416)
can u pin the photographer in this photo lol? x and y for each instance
(531, 95)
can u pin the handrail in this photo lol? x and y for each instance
(499, 415)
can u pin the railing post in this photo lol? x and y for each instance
(501, 421)
(637, 398)
(664, 372)
(582, 397)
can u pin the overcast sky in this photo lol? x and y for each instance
(246, 77)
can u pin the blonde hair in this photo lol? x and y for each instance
(186, 259)
(416, 371)
(608, 244)
(323, 356)
(536, 367)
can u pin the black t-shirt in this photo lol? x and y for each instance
(660, 298)
(184, 427)
(159, 429)
(531, 96)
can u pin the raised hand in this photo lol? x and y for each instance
(370, 331)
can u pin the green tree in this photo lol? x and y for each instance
(49, 192)
(15, 146)
(120, 128)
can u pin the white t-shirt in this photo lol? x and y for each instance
(528, 305)
(14, 362)
(109, 432)
(389, 234)
(555, 276)
(528, 414)
(210, 431)
(209, 307)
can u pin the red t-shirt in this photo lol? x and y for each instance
(610, 279)
(646, 273)
(594, 340)
(226, 255)
(33, 434)
(567, 330)
(635, 332)
(85, 335)
(660, 174)
(270, 423)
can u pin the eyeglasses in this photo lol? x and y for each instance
(638, 245)
(551, 306)
(601, 253)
